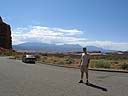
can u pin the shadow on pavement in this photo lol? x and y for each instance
(95, 86)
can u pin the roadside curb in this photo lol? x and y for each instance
(92, 69)
(108, 70)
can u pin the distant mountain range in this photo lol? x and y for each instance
(44, 47)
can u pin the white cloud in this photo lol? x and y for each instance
(109, 45)
(46, 35)
(60, 36)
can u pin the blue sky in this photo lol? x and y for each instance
(102, 23)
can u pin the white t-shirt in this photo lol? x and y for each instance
(85, 58)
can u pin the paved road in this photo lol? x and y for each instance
(20, 79)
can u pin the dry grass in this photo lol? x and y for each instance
(72, 60)
(57, 60)
(94, 63)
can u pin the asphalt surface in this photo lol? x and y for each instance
(20, 79)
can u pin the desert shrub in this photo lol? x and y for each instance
(7, 53)
(69, 60)
(60, 62)
(111, 57)
(38, 57)
(115, 57)
(18, 56)
(61, 55)
(44, 58)
(102, 64)
(54, 61)
(92, 64)
(44, 54)
(124, 66)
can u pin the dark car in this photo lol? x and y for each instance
(29, 59)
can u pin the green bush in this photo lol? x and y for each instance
(60, 62)
(69, 60)
(124, 66)
(7, 53)
(92, 64)
(102, 64)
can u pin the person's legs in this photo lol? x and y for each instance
(86, 76)
(82, 74)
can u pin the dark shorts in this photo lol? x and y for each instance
(84, 68)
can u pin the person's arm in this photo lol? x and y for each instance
(80, 61)
(88, 61)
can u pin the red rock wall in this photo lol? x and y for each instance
(5, 36)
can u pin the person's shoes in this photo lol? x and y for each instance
(81, 81)
(87, 82)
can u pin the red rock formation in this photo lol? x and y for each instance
(5, 35)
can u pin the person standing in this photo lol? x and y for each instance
(84, 63)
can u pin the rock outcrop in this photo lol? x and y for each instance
(5, 35)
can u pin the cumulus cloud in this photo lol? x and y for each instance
(47, 35)
(60, 36)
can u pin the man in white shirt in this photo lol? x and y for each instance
(84, 63)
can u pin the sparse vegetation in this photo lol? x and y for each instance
(69, 60)
(7, 53)
(124, 66)
(102, 64)
(72, 60)
(107, 61)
